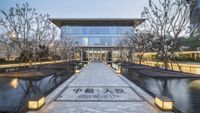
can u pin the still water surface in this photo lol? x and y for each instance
(14, 92)
(184, 91)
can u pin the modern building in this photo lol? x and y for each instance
(96, 38)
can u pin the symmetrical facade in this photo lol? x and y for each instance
(97, 38)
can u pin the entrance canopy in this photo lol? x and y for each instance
(97, 21)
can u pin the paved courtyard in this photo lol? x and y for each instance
(97, 89)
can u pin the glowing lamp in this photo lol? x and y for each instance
(36, 103)
(85, 65)
(118, 71)
(164, 103)
(77, 71)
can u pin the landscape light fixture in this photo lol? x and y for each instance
(77, 71)
(164, 103)
(118, 70)
(36, 103)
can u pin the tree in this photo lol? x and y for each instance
(7, 45)
(42, 52)
(137, 41)
(27, 30)
(120, 46)
(68, 46)
(18, 21)
(55, 47)
(169, 19)
(127, 44)
(44, 33)
(143, 43)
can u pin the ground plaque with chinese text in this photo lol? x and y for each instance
(99, 94)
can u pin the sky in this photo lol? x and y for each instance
(83, 8)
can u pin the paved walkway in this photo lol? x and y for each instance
(97, 89)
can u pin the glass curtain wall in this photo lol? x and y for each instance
(95, 35)
(99, 37)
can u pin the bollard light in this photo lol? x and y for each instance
(77, 71)
(36, 103)
(164, 103)
(118, 71)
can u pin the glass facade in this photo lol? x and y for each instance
(95, 35)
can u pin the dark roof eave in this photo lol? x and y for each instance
(97, 21)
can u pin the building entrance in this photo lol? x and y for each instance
(96, 54)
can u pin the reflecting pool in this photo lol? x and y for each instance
(184, 91)
(15, 92)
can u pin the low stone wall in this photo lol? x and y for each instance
(183, 67)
